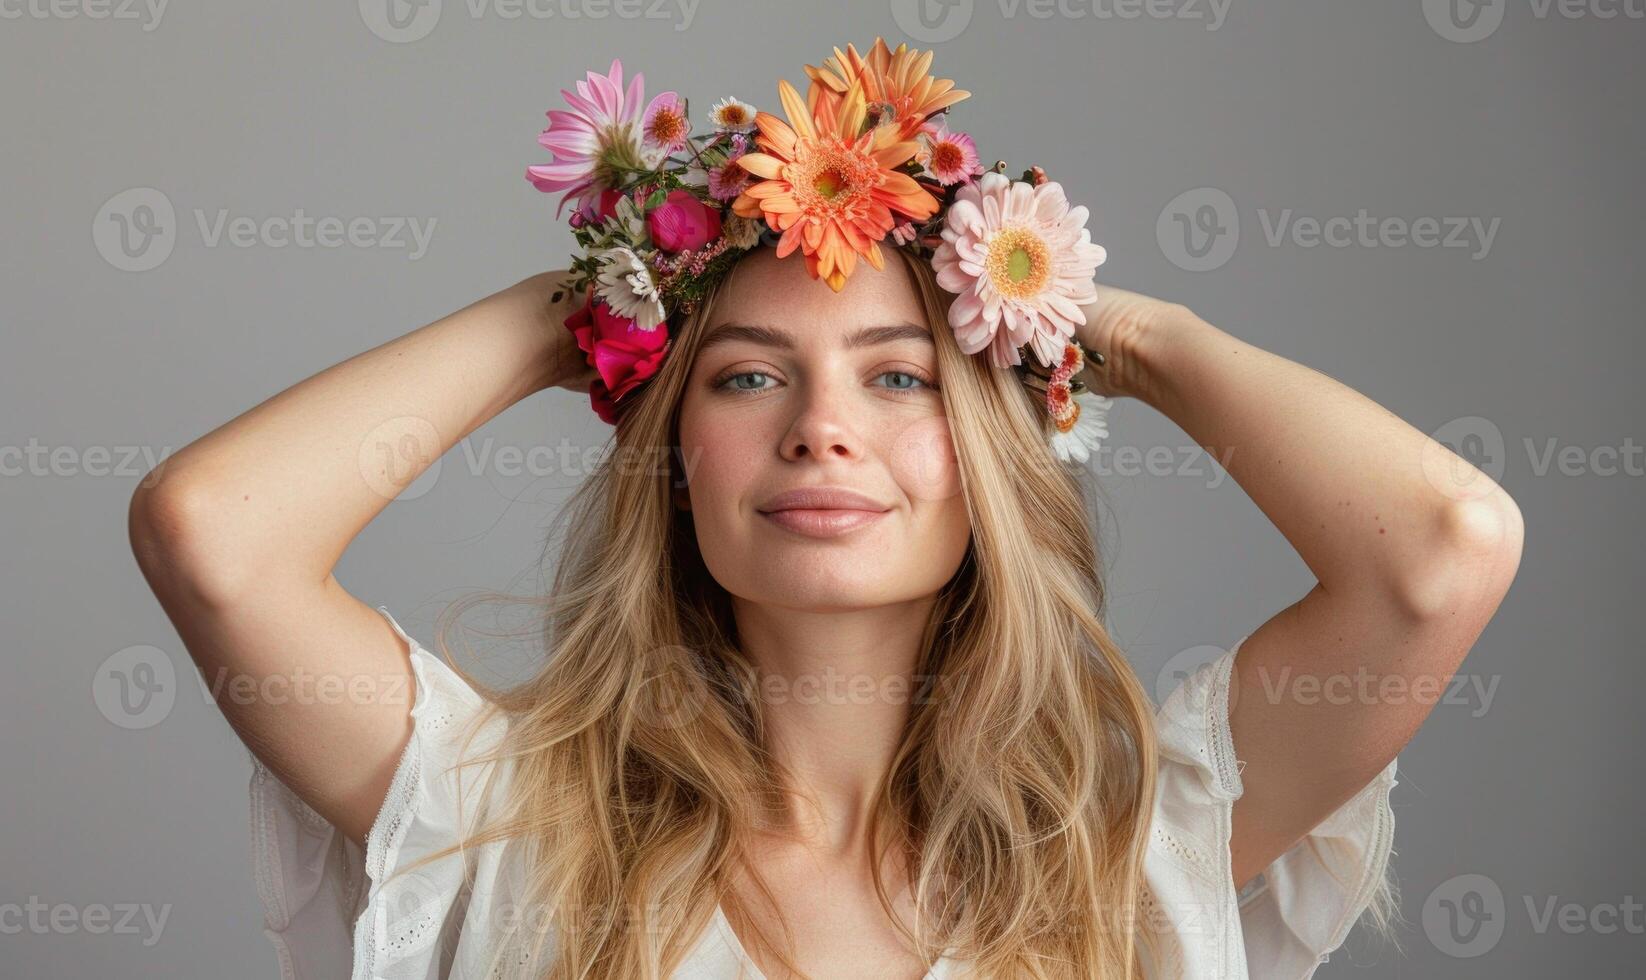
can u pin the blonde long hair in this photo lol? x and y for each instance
(1020, 796)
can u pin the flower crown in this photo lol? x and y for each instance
(868, 156)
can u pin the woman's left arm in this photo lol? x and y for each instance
(1413, 549)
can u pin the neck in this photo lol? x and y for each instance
(837, 689)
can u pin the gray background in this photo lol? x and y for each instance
(1323, 108)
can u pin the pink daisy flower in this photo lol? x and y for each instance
(729, 179)
(665, 125)
(1021, 263)
(949, 158)
(598, 139)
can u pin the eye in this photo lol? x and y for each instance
(907, 380)
(725, 383)
(751, 382)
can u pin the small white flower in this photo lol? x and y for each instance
(626, 285)
(1091, 427)
(628, 221)
(731, 116)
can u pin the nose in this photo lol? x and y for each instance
(822, 426)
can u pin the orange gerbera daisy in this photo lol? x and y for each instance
(828, 185)
(896, 84)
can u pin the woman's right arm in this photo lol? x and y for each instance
(239, 531)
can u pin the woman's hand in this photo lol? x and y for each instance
(566, 365)
(1119, 323)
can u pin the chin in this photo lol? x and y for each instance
(814, 586)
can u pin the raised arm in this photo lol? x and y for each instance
(240, 532)
(1412, 548)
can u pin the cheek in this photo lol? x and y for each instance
(922, 461)
(718, 455)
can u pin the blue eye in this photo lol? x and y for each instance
(919, 382)
(909, 382)
(744, 374)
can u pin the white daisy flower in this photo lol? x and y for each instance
(626, 285)
(1090, 428)
(731, 116)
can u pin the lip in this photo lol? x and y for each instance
(822, 523)
(822, 512)
(821, 498)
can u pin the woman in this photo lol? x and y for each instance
(829, 691)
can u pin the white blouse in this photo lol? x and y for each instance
(330, 913)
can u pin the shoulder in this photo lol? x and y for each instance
(412, 897)
(1302, 907)
(454, 729)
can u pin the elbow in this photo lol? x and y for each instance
(1470, 561)
(170, 526)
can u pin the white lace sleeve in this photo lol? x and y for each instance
(332, 911)
(1289, 919)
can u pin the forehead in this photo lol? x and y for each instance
(778, 292)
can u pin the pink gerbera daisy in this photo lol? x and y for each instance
(599, 140)
(1021, 263)
(949, 158)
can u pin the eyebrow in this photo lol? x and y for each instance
(782, 340)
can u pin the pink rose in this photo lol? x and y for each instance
(683, 223)
(622, 354)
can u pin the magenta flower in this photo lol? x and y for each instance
(621, 353)
(682, 223)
